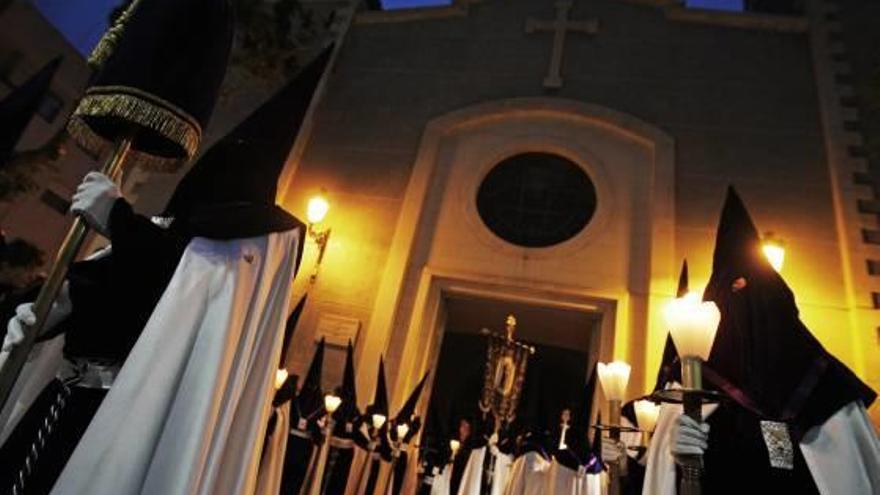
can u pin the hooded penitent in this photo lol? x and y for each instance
(581, 422)
(433, 455)
(290, 328)
(305, 410)
(791, 410)
(406, 415)
(344, 431)
(369, 475)
(287, 391)
(763, 356)
(348, 412)
(159, 70)
(19, 106)
(380, 399)
(165, 88)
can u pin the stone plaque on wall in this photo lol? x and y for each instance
(337, 329)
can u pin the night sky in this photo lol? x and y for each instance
(83, 21)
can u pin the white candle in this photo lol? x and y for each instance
(692, 324)
(614, 377)
(646, 414)
(454, 445)
(280, 378)
(332, 403)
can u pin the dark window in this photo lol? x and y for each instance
(536, 199)
(50, 107)
(55, 201)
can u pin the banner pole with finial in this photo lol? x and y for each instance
(67, 253)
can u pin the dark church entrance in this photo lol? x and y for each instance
(564, 342)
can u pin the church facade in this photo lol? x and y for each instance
(570, 155)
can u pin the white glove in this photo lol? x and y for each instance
(94, 199)
(25, 317)
(612, 450)
(689, 437)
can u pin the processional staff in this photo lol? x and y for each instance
(314, 481)
(147, 103)
(506, 364)
(692, 324)
(614, 377)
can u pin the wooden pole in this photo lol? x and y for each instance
(52, 286)
(366, 470)
(315, 480)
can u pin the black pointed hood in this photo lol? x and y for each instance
(408, 410)
(230, 191)
(670, 369)
(159, 70)
(348, 410)
(585, 405)
(380, 399)
(290, 328)
(19, 106)
(311, 396)
(763, 355)
(683, 284)
(578, 452)
(593, 459)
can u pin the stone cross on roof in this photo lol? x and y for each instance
(559, 27)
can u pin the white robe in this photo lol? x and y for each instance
(562, 480)
(843, 454)
(441, 481)
(472, 477)
(272, 462)
(528, 475)
(43, 364)
(501, 475)
(187, 413)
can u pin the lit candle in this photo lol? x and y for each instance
(613, 377)
(454, 445)
(332, 403)
(280, 378)
(646, 414)
(402, 430)
(378, 421)
(693, 324)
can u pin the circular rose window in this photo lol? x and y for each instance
(536, 199)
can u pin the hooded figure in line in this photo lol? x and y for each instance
(796, 419)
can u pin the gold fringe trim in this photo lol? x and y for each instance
(107, 44)
(140, 108)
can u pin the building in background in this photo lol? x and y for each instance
(27, 42)
(467, 151)
(625, 133)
